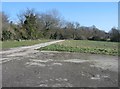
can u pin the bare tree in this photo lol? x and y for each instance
(50, 21)
(114, 34)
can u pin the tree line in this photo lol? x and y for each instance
(50, 25)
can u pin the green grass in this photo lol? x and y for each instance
(85, 46)
(12, 44)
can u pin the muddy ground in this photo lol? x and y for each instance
(58, 69)
(47, 69)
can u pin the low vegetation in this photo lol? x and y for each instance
(85, 46)
(12, 44)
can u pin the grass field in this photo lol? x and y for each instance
(12, 44)
(85, 46)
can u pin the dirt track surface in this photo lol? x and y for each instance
(32, 68)
(8, 55)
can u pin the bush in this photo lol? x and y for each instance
(6, 35)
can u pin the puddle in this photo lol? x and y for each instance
(61, 79)
(76, 60)
(62, 85)
(56, 85)
(97, 77)
(51, 80)
(39, 61)
(105, 76)
(43, 85)
(60, 64)
(35, 64)
(43, 61)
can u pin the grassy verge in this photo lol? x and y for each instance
(84, 46)
(12, 44)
